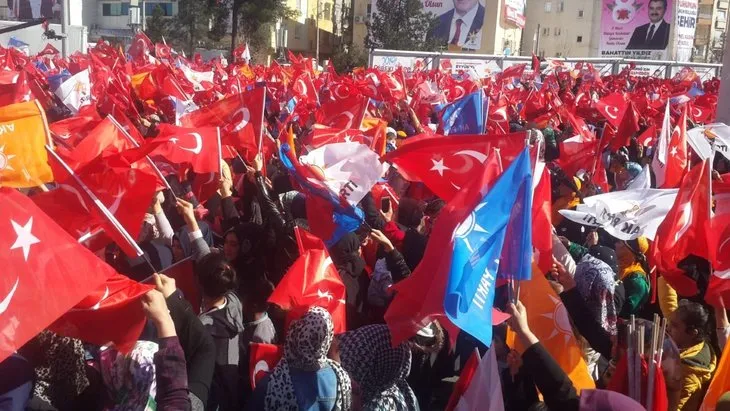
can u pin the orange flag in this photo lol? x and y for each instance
(549, 321)
(23, 136)
(720, 382)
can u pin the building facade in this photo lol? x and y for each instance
(711, 31)
(299, 35)
(560, 28)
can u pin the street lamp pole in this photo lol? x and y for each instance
(317, 50)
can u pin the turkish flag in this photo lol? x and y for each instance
(200, 147)
(140, 48)
(343, 114)
(185, 281)
(648, 137)
(163, 51)
(262, 360)
(312, 281)
(498, 119)
(46, 272)
(391, 87)
(101, 210)
(105, 137)
(677, 155)
(578, 124)
(49, 50)
(304, 88)
(112, 312)
(239, 116)
(70, 131)
(16, 91)
(446, 165)
(612, 107)
(576, 155)
(542, 228)
(685, 230)
(512, 71)
(323, 135)
(699, 114)
(627, 128)
(718, 292)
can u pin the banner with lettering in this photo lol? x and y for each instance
(638, 30)
(684, 30)
(627, 214)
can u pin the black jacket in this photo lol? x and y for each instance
(557, 389)
(658, 41)
(196, 343)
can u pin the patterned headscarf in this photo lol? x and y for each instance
(307, 345)
(379, 369)
(595, 282)
(130, 378)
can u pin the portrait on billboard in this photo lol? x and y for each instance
(459, 23)
(653, 35)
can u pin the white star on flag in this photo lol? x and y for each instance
(438, 166)
(25, 237)
(673, 151)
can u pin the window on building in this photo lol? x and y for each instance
(721, 15)
(561, 7)
(548, 6)
(369, 10)
(579, 39)
(558, 54)
(115, 9)
(557, 31)
(150, 7)
(297, 31)
(580, 14)
(326, 14)
(545, 31)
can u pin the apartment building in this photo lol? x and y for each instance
(299, 35)
(711, 31)
(559, 28)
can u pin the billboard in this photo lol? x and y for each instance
(391, 63)
(35, 9)
(459, 22)
(684, 29)
(514, 12)
(636, 30)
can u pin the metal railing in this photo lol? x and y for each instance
(391, 59)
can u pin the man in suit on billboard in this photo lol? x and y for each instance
(461, 25)
(655, 34)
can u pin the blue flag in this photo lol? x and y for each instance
(464, 116)
(481, 249)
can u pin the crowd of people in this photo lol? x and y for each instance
(242, 235)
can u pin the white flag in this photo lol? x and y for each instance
(198, 78)
(626, 214)
(699, 139)
(76, 91)
(641, 181)
(659, 162)
(485, 389)
(350, 169)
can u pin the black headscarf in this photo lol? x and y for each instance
(605, 254)
(345, 254)
(250, 263)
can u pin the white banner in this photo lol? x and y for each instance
(684, 29)
(627, 214)
(699, 139)
(391, 63)
(76, 91)
(350, 169)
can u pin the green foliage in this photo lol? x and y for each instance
(157, 25)
(401, 25)
(193, 26)
(346, 60)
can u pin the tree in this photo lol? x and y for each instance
(348, 58)
(401, 25)
(157, 25)
(191, 27)
(251, 20)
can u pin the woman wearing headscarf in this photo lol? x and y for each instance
(346, 257)
(305, 379)
(595, 283)
(379, 369)
(633, 274)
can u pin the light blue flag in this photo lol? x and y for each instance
(480, 249)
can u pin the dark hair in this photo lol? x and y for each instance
(695, 317)
(215, 276)
(663, 2)
(257, 293)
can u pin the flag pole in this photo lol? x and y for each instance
(149, 160)
(99, 205)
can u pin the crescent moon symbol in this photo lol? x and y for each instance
(262, 365)
(687, 215)
(244, 121)
(6, 301)
(608, 109)
(350, 118)
(117, 200)
(198, 144)
(103, 297)
(75, 192)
